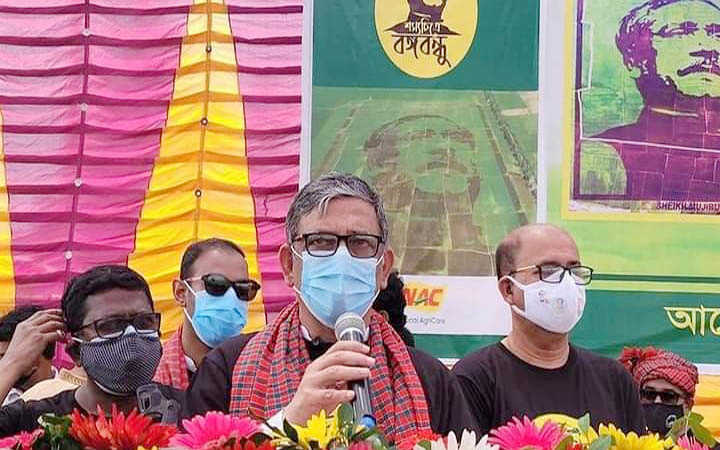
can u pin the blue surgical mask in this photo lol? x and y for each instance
(217, 318)
(333, 285)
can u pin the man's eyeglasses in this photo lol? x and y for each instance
(115, 326)
(554, 273)
(217, 285)
(326, 244)
(666, 397)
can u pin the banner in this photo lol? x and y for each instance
(131, 131)
(447, 130)
(435, 104)
(630, 165)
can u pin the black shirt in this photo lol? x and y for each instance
(210, 388)
(23, 416)
(498, 386)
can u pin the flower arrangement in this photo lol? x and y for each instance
(79, 431)
(339, 431)
(120, 432)
(323, 431)
(524, 434)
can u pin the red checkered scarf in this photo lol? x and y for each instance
(647, 364)
(173, 370)
(269, 369)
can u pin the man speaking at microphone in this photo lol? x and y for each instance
(336, 259)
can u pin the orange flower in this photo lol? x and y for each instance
(119, 432)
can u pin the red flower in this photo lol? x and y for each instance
(360, 446)
(119, 432)
(408, 441)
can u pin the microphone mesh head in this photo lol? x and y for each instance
(350, 321)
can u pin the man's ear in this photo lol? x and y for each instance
(505, 287)
(180, 293)
(386, 266)
(285, 255)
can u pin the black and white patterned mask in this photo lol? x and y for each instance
(119, 366)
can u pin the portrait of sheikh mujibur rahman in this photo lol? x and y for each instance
(672, 150)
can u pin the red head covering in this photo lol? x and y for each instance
(649, 363)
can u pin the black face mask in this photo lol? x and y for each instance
(660, 418)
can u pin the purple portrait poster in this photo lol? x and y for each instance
(647, 107)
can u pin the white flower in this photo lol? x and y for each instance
(468, 441)
(484, 445)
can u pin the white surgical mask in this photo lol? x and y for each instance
(555, 307)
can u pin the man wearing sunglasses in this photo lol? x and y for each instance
(214, 291)
(535, 370)
(113, 335)
(667, 385)
(336, 258)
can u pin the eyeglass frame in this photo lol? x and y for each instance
(341, 238)
(565, 269)
(232, 285)
(679, 398)
(128, 322)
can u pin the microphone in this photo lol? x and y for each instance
(351, 327)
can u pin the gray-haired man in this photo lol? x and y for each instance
(336, 259)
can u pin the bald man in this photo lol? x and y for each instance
(535, 370)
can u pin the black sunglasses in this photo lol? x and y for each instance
(666, 397)
(115, 326)
(217, 285)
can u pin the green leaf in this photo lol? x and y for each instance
(290, 431)
(678, 428)
(601, 443)
(363, 434)
(584, 423)
(346, 414)
(427, 445)
(703, 435)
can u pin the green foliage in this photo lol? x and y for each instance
(57, 434)
(584, 423)
(601, 443)
(693, 423)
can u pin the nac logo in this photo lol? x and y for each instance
(424, 297)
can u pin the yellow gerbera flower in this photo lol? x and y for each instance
(631, 441)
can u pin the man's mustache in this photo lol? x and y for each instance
(709, 63)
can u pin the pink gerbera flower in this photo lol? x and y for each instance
(23, 440)
(521, 434)
(213, 430)
(691, 444)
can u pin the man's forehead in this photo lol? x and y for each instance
(341, 215)
(546, 245)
